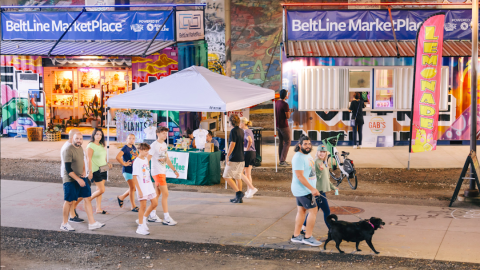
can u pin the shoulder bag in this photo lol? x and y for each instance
(352, 121)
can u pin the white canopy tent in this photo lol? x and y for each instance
(195, 89)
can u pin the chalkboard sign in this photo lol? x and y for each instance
(471, 161)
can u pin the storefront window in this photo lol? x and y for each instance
(359, 79)
(384, 89)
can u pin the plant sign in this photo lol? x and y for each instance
(131, 123)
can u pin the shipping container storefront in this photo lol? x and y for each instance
(328, 56)
(41, 85)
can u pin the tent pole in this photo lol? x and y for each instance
(226, 145)
(168, 133)
(108, 135)
(275, 135)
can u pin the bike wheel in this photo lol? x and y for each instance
(353, 181)
(334, 169)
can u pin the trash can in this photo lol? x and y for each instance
(35, 134)
(257, 140)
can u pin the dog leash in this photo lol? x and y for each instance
(343, 208)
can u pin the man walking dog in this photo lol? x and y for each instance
(303, 188)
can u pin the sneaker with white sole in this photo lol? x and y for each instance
(311, 241)
(141, 230)
(66, 227)
(144, 224)
(76, 219)
(169, 221)
(251, 193)
(297, 239)
(96, 225)
(354, 147)
(154, 219)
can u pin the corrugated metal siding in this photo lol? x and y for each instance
(109, 48)
(327, 48)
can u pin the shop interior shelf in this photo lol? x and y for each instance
(84, 89)
(63, 94)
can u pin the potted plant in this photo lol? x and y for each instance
(94, 111)
(20, 107)
(52, 133)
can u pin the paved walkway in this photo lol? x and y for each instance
(394, 157)
(411, 231)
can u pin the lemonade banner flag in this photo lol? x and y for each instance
(426, 85)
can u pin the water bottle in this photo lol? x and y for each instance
(336, 191)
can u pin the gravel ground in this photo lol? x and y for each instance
(433, 187)
(35, 249)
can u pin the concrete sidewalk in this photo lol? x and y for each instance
(393, 157)
(411, 231)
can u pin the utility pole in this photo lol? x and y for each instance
(472, 191)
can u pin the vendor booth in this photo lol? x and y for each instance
(61, 67)
(195, 89)
(329, 55)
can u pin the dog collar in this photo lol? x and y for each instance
(370, 224)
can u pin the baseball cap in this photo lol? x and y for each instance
(322, 147)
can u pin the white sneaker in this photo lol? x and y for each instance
(96, 225)
(359, 147)
(66, 227)
(250, 195)
(144, 224)
(169, 221)
(154, 219)
(247, 193)
(354, 147)
(141, 230)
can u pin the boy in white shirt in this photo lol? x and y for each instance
(159, 157)
(144, 186)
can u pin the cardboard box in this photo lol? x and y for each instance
(209, 147)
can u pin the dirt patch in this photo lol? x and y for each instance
(415, 186)
(37, 249)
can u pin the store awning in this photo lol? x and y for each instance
(328, 48)
(82, 48)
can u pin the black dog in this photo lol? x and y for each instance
(352, 231)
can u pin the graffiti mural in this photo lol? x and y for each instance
(22, 97)
(215, 34)
(256, 34)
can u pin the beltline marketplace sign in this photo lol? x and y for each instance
(372, 24)
(91, 25)
(180, 163)
(378, 131)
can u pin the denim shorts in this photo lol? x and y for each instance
(127, 176)
(306, 201)
(72, 191)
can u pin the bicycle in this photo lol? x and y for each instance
(338, 169)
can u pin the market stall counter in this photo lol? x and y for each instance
(203, 168)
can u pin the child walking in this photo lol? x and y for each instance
(159, 158)
(145, 189)
(323, 184)
(126, 156)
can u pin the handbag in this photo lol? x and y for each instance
(103, 168)
(352, 121)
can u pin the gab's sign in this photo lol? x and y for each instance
(180, 163)
(378, 131)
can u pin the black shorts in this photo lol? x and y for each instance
(250, 157)
(99, 176)
(306, 202)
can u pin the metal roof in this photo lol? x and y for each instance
(82, 48)
(354, 48)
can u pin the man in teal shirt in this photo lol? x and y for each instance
(303, 188)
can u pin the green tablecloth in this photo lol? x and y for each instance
(203, 169)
